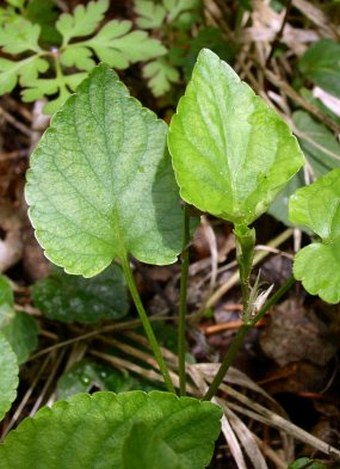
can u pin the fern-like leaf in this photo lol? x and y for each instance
(83, 22)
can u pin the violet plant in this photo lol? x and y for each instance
(106, 183)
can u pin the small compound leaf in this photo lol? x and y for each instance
(101, 183)
(93, 431)
(160, 75)
(232, 154)
(22, 335)
(8, 376)
(70, 298)
(150, 15)
(83, 22)
(118, 46)
(320, 64)
(59, 86)
(19, 36)
(182, 13)
(26, 69)
(318, 208)
(8, 75)
(77, 56)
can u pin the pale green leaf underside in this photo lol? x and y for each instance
(8, 376)
(318, 208)
(101, 183)
(92, 432)
(231, 153)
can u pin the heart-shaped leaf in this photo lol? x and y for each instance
(96, 432)
(318, 207)
(231, 152)
(101, 183)
(71, 298)
(8, 375)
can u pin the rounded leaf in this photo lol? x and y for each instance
(8, 376)
(100, 430)
(231, 152)
(70, 298)
(101, 183)
(318, 208)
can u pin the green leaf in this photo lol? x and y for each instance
(232, 154)
(20, 36)
(77, 56)
(160, 75)
(307, 463)
(321, 64)
(7, 312)
(6, 302)
(19, 329)
(150, 15)
(279, 208)
(101, 183)
(322, 152)
(87, 374)
(16, 3)
(150, 451)
(26, 70)
(22, 335)
(95, 432)
(83, 22)
(318, 143)
(69, 298)
(8, 376)
(182, 13)
(118, 46)
(60, 85)
(318, 207)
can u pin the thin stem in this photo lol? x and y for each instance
(239, 339)
(183, 303)
(146, 324)
(245, 243)
(227, 361)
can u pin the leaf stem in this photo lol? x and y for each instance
(183, 303)
(245, 243)
(146, 324)
(240, 336)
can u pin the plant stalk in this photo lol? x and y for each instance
(146, 324)
(245, 243)
(183, 303)
(240, 336)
